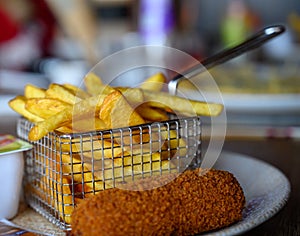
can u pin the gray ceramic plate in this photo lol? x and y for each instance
(265, 187)
(266, 190)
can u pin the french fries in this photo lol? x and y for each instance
(154, 83)
(57, 195)
(95, 86)
(83, 165)
(62, 93)
(45, 107)
(19, 105)
(81, 109)
(56, 107)
(150, 113)
(87, 124)
(182, 105)
(32, 91)
(115, 104)
(80, 172)
(77, 91)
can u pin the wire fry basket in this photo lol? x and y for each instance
(63, 169)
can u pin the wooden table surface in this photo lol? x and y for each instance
(283, 153)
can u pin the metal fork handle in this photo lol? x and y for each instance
(251, 43)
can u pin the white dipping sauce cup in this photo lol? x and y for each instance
(11, 174)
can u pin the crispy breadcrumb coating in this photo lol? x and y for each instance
(191, 203)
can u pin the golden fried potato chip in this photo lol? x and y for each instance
(64, 200)
(129, 167)
(116, 112)
(77, 91)
(151, 114)
(83, 108)
(93, 147)
(87, 124)
(64, 130)
(154, 83)
(95, 86)
(134, 97)
(45, 107)
(73, 166)
(57, 193)
(52, 123)
(62, 93)
(31, 91)
(18, 104)
(183, 105)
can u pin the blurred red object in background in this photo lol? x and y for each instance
(9, 27)
(27, 30)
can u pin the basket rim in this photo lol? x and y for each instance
(114, 130)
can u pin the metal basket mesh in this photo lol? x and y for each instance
(63, 169)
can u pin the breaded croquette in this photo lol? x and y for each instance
(188, 204)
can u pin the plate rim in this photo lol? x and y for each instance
(262, 103)
(241, 226)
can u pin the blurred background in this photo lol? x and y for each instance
(45, 41)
